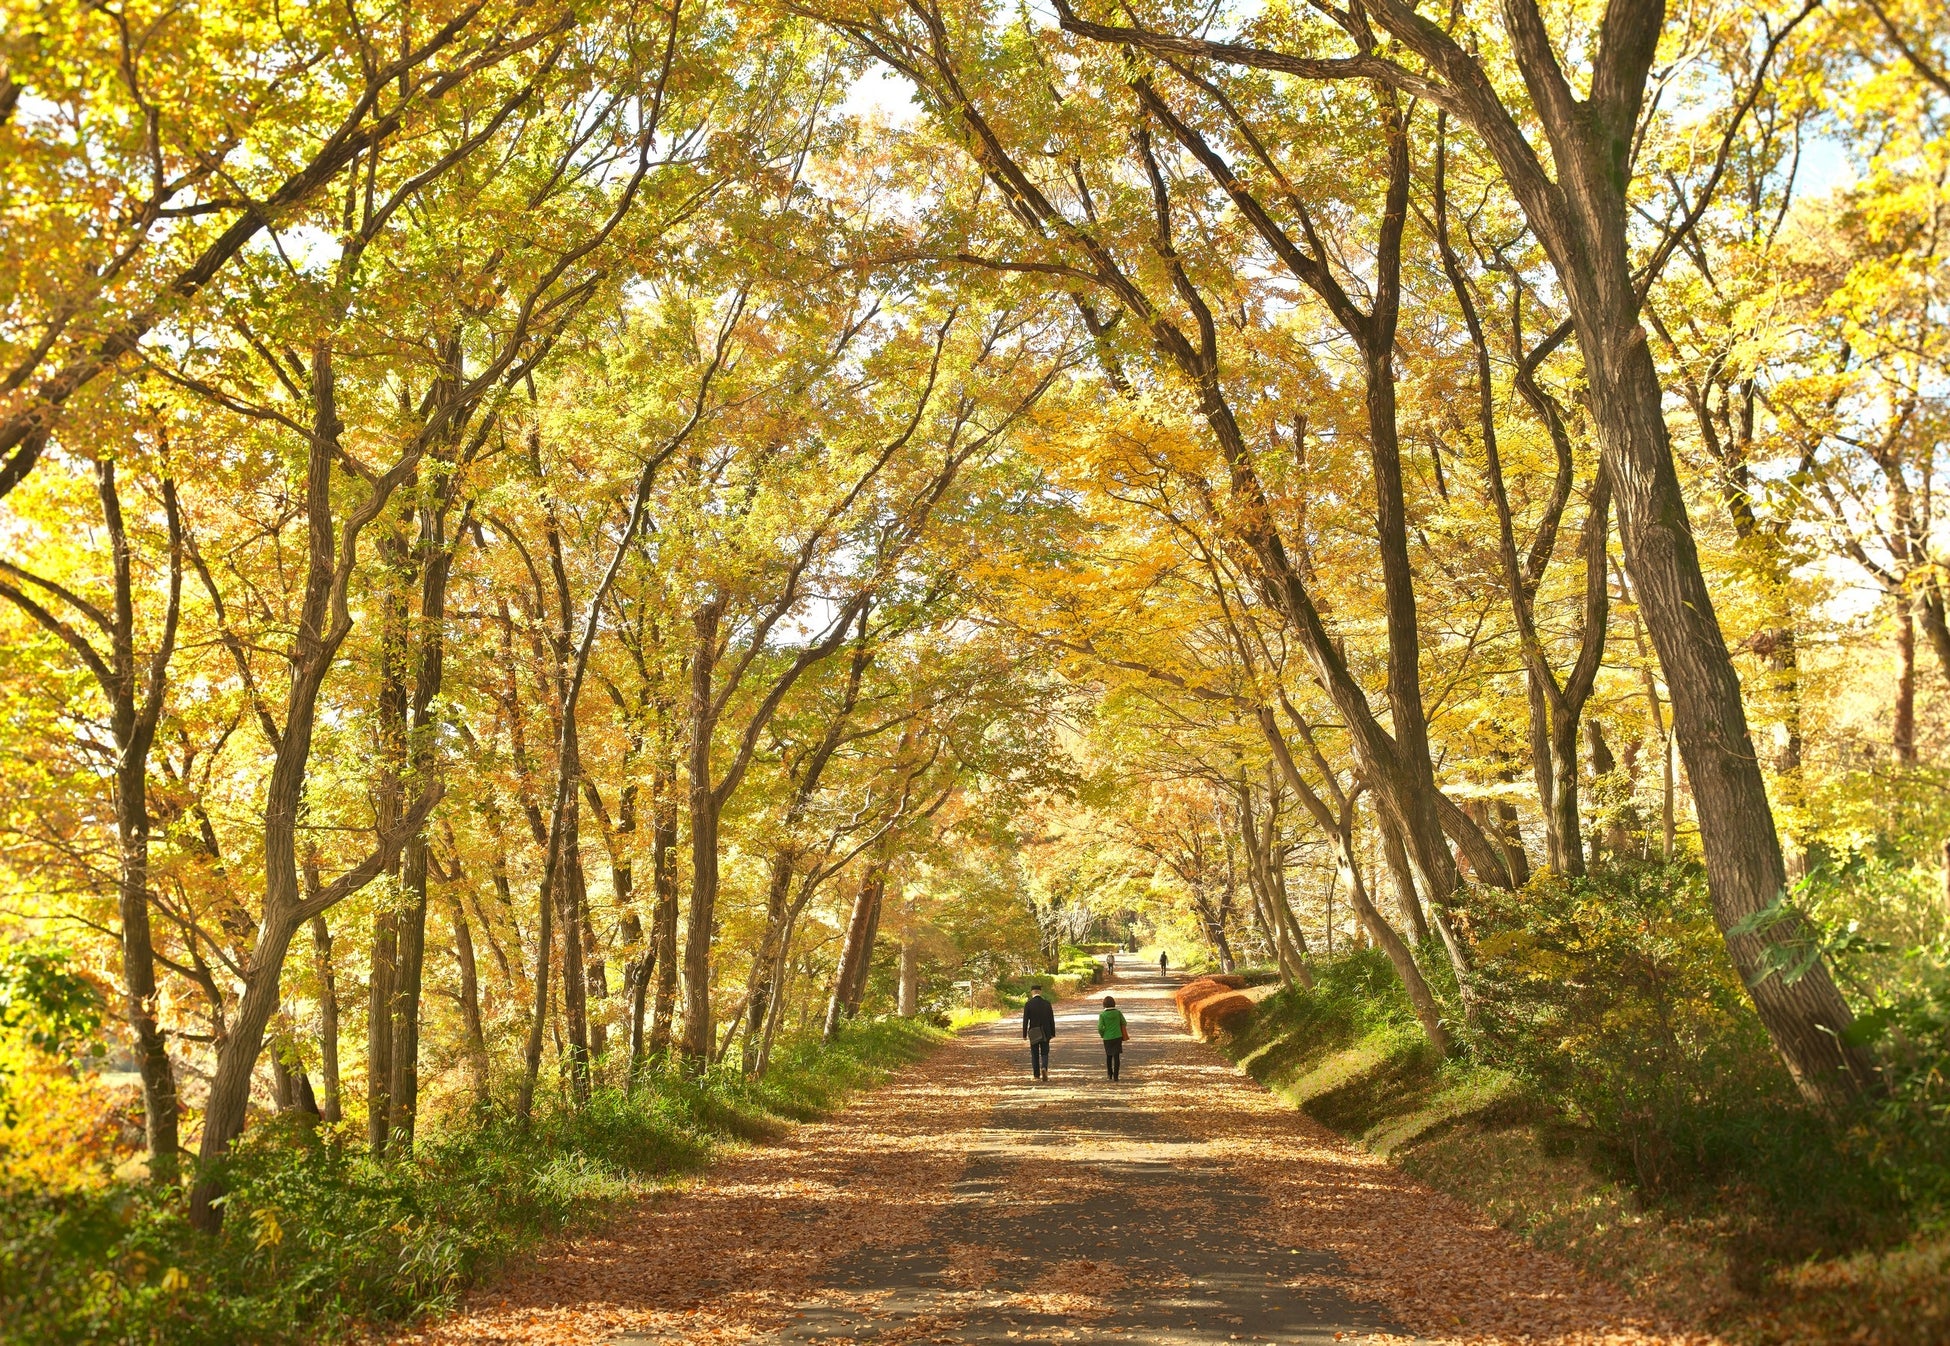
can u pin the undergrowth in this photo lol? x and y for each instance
(319, 1237)
(1617, 1100)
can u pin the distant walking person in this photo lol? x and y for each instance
(1164, 962)
(1110, 964)
(1038, 1026)
(1110, 1027)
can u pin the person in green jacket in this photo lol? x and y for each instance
(1111, 1028)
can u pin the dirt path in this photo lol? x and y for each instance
(964, 1202)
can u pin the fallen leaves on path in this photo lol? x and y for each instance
(776, 1234)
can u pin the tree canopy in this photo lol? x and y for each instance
(546, 545)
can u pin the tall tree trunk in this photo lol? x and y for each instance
(909, 1002)
(1807, 1019)
(408, 972)
(1283, 908)
(478, 1067)
(765, 959)
(160, 1106)
(856, 947)
(328, 1020)
(1602, 764)
(663, 925)
(595, 973)
(705, 804)
(1427, 1011)
(1583, 221)
(1259, 882)
(1902, 734)
(1403, 879)
(856, 991)
(1512, 835)
(389, 796)
(538, 1013)
(1215, 931)
(433, 553)
(380, 991)
(618, 836)
(136, 696)
(572, 895)
(700, 927)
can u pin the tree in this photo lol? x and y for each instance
(1582, 219)
(135, 690)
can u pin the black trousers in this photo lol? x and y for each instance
(1113, 1056)
(1039, 1057)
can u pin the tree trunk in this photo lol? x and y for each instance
(1268, 894)
(1403, 879)
(1427, 1011)
(639, 984)
(1902, 736)
(856, 991)
(478, 1067)
(379, 1029)
(1215, 930)
(538, 1016)
(572, 897)
(663, 923)
(699, 928)
(595, 975)
(1512, 832)
(698, 933)
(1808, 1020)
(910, 983)
(389, 793)
(160, 1106)
(1602, 764)
(328, 1020)
(1283, 909)
(765, 959)
(136, 697)
(408, 972)
(433, 555)
(1566, 823)
(229, 1095)
(854, 950)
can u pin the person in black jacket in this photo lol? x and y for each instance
(1038, 1026)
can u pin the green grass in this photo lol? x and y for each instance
(1351, 1055)
(319, 1238)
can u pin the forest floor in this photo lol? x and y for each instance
(965, 1202)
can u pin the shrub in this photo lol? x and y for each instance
(1614, 995)
(1612, 998)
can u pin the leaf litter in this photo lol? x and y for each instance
(778, 1234)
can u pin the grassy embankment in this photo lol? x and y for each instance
(1777, 1227)
(319, 1238)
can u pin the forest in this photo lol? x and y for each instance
(583, 578)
